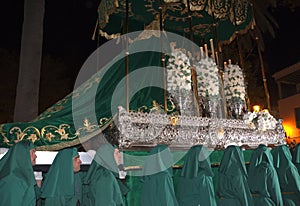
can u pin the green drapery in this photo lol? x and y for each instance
(54, 129)
(201, 17)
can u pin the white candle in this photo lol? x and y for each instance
(206, 51)
(212, 49)
(201, 52)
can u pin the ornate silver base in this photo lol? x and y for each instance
(142, 129)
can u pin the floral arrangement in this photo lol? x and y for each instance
(178, 71)
(262, 120)
(234, 87)
(208, 78)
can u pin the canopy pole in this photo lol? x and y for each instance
(163, 56)
(263, 74)
(127, 56)
(196, 98)
(218, 59)
(261, 62)
(218, 50)
(241, 59)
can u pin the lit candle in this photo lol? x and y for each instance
(256, 108)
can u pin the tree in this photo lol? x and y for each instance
(26, 105)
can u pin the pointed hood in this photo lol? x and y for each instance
(17, 162)
(59, 180)
(196, 161)
(233, 161)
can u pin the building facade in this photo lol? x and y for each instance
(288, 81)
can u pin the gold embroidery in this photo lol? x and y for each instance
(32, 137)
(49, 136)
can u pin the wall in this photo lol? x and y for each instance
(287, 113)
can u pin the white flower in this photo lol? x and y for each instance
(178, 72)
(263, 120)
(234, 86)
(208, 78)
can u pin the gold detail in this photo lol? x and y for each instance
(19, 134)
(88, 126)
(156, 108)
(49, 136)
(62, 132)
(174, 120)
(33, 137)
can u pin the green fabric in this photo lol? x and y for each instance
(296, 157)
(233, 187)
(288, 175)
(17, 182)
(59, 186)
(195, 186)
(177, 18)
(133, 180)
(262, 178)
(157, 182)
(101, 187)
(54, 129)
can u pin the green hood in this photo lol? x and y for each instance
(196, 162)
(17, 162)
(59, 180)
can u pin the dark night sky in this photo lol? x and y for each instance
(68, 28)
(284, 50)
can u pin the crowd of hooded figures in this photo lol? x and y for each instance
(270, 179)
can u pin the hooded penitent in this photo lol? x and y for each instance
(195, 184)
(233, 187)
(296, 157)
(288, 175)
(262, 178)
(61, 186)
(101, 185)
(157, 182)
(17, 180)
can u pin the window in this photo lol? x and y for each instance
(297, 115)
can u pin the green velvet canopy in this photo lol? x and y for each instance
(70, 121)
(201, 21)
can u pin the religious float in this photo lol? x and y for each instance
(190, 96)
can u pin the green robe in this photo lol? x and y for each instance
(195, 184)
(262, 178)
(101, 186)
(157, 180)
(17, 182)
(233, 189)
(61, 187)
(288, 175)
(296, 157)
